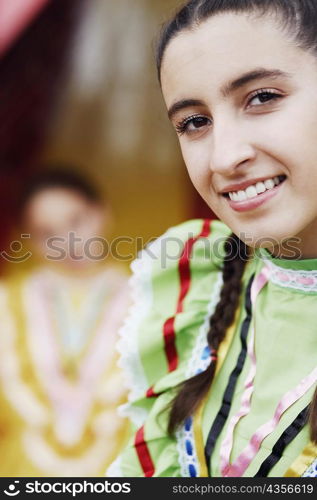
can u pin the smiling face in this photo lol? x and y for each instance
(243, 100)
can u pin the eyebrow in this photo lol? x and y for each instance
(230, 87)
(256, 74)
(183, 104)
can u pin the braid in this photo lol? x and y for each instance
(193, 390)
(223, 316)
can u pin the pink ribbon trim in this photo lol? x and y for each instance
(225, 451)
(240, 465)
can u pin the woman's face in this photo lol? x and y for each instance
(243, 99)
(64, 226)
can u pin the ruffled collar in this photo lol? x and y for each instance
(297, 274)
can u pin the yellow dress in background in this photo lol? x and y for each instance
(59, 381)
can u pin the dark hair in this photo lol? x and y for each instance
(193, 390)
(299, 19)
(57, 177)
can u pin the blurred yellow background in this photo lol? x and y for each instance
(111, 118)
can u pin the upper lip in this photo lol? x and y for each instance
(241, 186)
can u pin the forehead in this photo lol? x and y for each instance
(52, 205)
(223, 47)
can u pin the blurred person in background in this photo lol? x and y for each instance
(59, 381)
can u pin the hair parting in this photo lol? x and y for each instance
(298, 18)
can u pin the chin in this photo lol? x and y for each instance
(262, 235)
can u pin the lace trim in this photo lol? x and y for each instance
(195, 362)
(129, 362)
(311, 471)
(305, 281)
(186, 449)
(114, 469)
(140, 284)
(199, 361)
(136, 414)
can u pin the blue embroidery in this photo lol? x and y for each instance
(188, 437)
(188, 424)
(206, 353)
(189, 447)
(192, 470)
(311, 471)
(187, 433)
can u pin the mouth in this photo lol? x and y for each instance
(254, 195)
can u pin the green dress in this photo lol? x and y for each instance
(175, 285)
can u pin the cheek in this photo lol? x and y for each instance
(197, 161)
(303, 148)
(298, 154)
(295, 133)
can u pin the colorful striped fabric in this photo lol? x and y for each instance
(179, 278)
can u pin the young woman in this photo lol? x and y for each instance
(59, 382)
(224, 351)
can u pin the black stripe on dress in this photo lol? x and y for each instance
(223, 413)
(285, 439)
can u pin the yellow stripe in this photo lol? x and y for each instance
(198, 438)
(303, 461)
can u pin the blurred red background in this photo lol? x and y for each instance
(34, 43)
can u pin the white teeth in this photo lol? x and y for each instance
(253, 191)
(260, 187)
(242, 195)
(269, 184)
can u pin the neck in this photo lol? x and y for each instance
(301, 246)
(82, 271)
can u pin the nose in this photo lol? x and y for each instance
(231, 148)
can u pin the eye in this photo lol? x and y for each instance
(192, 124)
(263, 96)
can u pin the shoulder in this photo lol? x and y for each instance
(195, 230)
(200, 241)
(175, 286)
